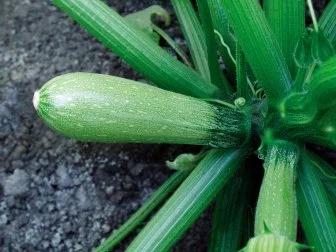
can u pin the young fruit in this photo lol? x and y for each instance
(102, 108)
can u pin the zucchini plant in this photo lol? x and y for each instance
(256, 80)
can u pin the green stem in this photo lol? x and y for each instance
(315, 211)
(327, 174)
(310, 72)
(226, 46)
(136, 48)
(194, 36)
(173, 45)
(229, 215)
(327, 22)
(287, 20)
(220, 102)
(140, 215)
(235, 62)
(242, 84)
(277, 199)
(300, 79)
(217, 76)
(221, 25)
(312, 14)
(260, 46)
(189, 201)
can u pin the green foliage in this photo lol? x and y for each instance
(315, 211)
(327, 22)
(189, 200)
(144, 20)
(194, 35)
(276, 93)
(184, 161)
(287, 20)
(221, 25)
(321, 48)
(129, 42)
(260, 46)
(230, 214)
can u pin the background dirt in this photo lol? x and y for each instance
(57, 194)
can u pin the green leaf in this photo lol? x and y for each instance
(294, 109)
(330, 187)
(315, 211)
(249, 225)
(143, 20)
(242, 84)
(319, 131)
(221, 25)
(103, 108)
(136, 48)
(260, 47)
(322, 50)
(141, 214)
(189, 201)
(321, 90)
(327, 123)
(303, 52)
(173, 45)
(185, 161)
(277, 198)
(327, 175)
(193, 33)
(216, 74)
(304, 60)
(229, 215)
(315, 109)
(327, 22)
(287, 20)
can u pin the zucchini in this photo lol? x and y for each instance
(102, 108)
(272, 242)
(276, 205)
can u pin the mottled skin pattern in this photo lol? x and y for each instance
(277, 208)
(101, 108)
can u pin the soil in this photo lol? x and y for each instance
(57, 194)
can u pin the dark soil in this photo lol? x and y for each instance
(57, 194)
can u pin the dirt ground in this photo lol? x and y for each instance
(57, 194)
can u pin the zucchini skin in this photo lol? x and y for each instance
(271, 243)
(103, 108)
(277, 205)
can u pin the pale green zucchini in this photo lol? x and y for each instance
(272, 242)
(276, 205)
(102, 108)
